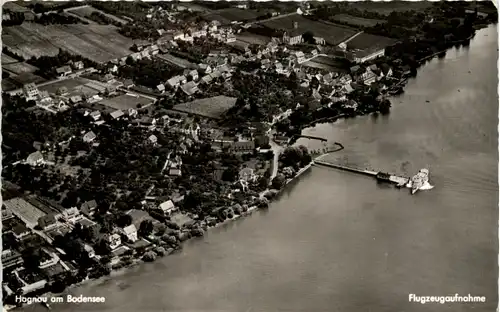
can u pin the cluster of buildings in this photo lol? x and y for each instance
(36, 221)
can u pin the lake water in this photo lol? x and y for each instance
(336, 241)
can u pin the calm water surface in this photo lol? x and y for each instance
(339, 242)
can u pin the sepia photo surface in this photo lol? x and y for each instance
(249, 156)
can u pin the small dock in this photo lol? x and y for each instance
(380, 176)
(311, 137)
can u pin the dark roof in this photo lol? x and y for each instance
(47, 220)
(92, 204)
(243, 145)
(20, 229)
(385, 68)
(294, 33)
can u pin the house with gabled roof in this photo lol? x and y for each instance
(88, 208)
(190, 88)
(114, 241)
(386, 70)
(130, 232)
(89, 137)
(35, 158)
(247, 175)
(63, 71)
(167, 207)
(205, 68)
(153, 139)
(206, 79)
(117, 114)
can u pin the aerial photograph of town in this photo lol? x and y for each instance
(226, 156)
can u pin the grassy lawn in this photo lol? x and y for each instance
(356, 21)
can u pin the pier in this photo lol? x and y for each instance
(312, 137)
(380, 176)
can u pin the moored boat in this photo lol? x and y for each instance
(419, 180)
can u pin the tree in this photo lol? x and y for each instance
(146, 228)
(124, 220)
(90, 234)
(31, 257)
(102, 247)
(263, 182)
(230, 174)
(291, 156)
(308, 37)
(193, 199)
(161, 230)
(121, 205)
(278, 181)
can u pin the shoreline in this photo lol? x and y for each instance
(252, 209)
(123, 270)
(400, 84)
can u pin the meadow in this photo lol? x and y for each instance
(333, 34)
(356, 21)
(100, 43)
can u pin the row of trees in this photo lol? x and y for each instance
(14, 18)
(58, 19)
(148, 73)
(134, 10)
(12, 54)
(47, 65)
(102, 19)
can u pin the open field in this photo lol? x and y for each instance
(7, 59)
(9, 85)
(69, 84)
(226, 16)
(176, 61)
(18, 6)
(386, 8)
(210, 107)
(325, 63)
(356, 21)
(19, 68)
(333, 34)
(27, 212)
(366, 41)
(195, 7)
(17, 81)
(252, 38)
(125, 102)
(87, 10)
(100, 43)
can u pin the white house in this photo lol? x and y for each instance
(153, 139)
(363, 56)
(247, 175)
(117, 114)
(130, 232)
(71, 215)
(78, 65)
(194, 74)
(95, 115)
(132, 112)
(30, 91)
(35, 158)
(89, 250)
(89, 137)
(63, 71)
(167, 207)
(114, 241)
